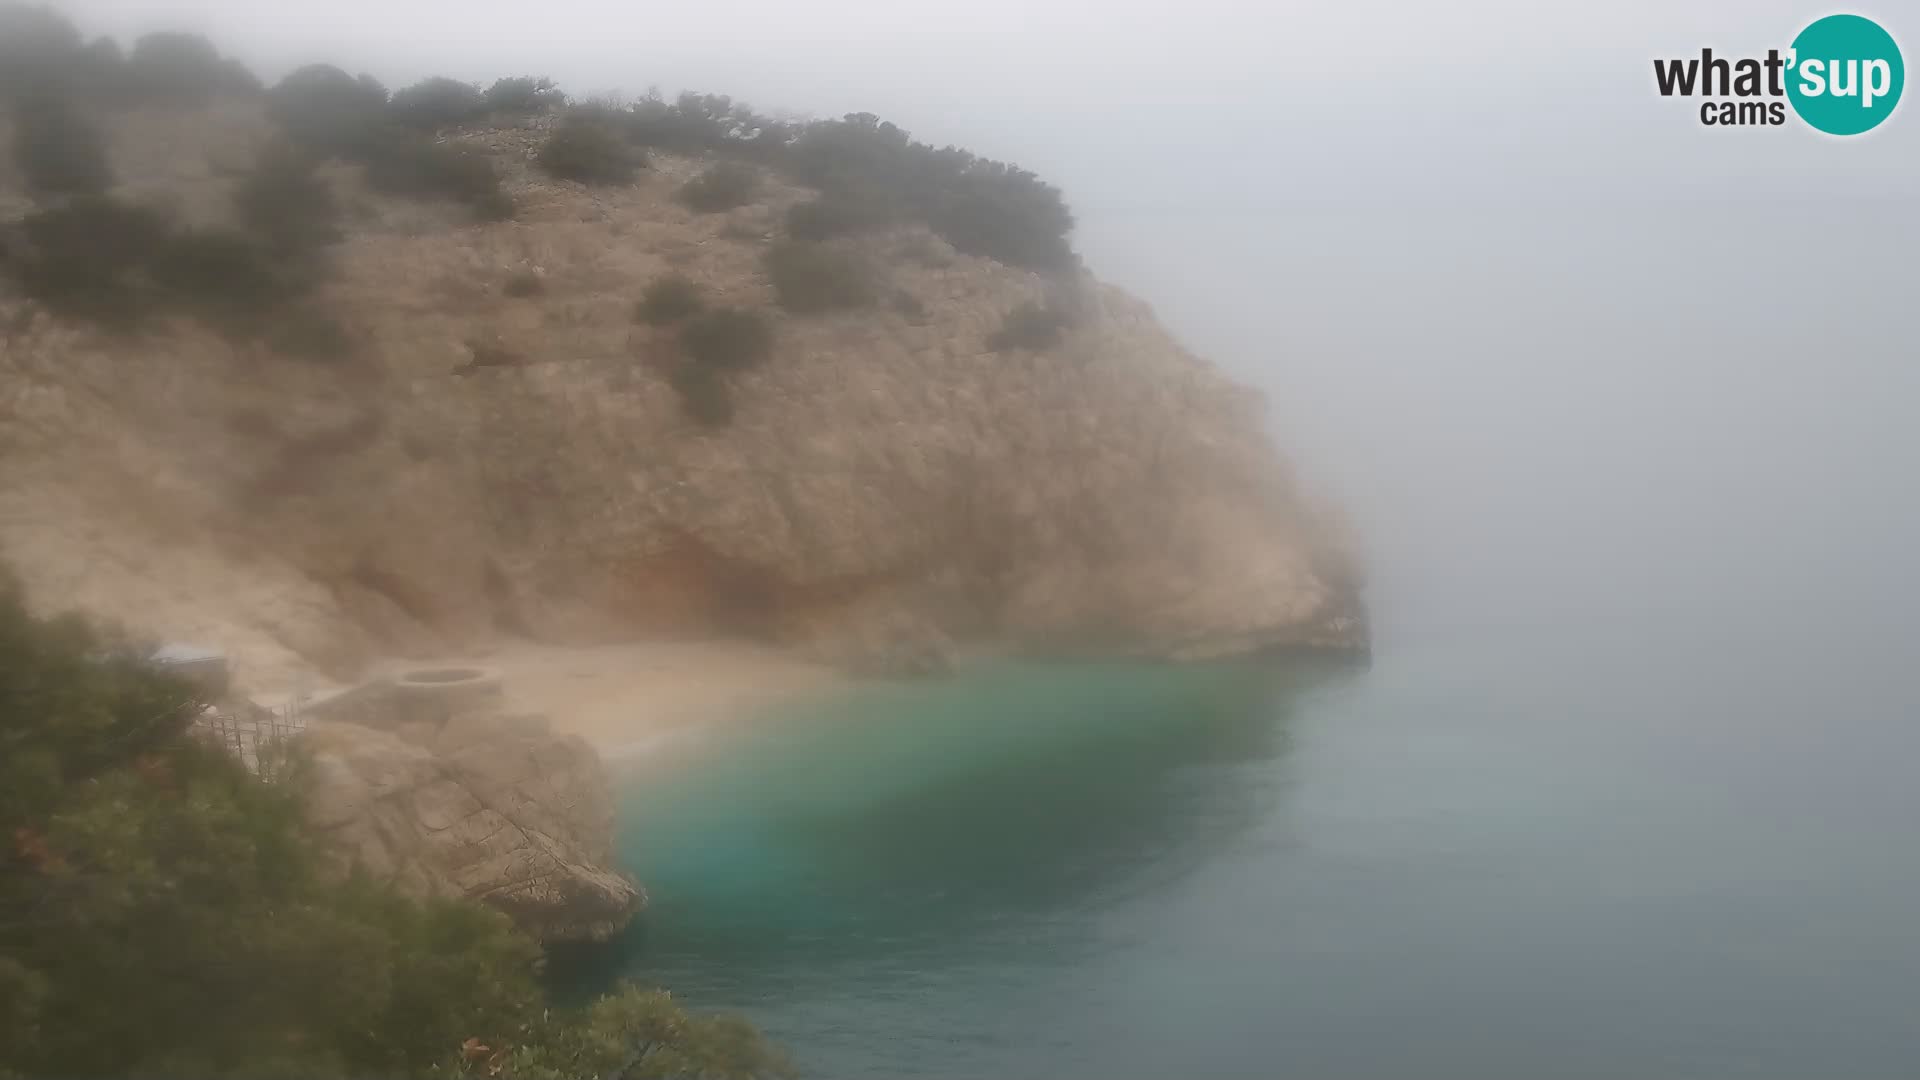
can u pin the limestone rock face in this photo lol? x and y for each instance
(889, 481)
(459, 802)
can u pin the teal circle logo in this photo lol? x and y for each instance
(1845, 75)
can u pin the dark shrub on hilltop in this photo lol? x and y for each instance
(523, 95)
(58, 150)
(286, 204)
(980, 206)
(37, 49)
(438, 102)
(721, 187)
(183, 68)
(668, 299)
(588, 148)
(329, 111)
(813, 277)
(727, 339)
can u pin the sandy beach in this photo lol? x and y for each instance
(623, 698)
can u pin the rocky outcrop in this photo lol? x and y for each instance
(425, 785)
(890, 483)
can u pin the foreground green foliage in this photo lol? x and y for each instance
(164, 913)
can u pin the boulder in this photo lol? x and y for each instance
(490, 808)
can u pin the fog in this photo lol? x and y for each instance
(1560, 350)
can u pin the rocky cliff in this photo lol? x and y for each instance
(427, 785)
(492, 466)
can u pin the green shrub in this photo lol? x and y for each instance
(89, 259)
(644, 1026)
(980, 206)
(400, 164)
(284, 203)
(1006, 215)
(58, 150)
(437, 103)
(323, 108)
(830, 216)
(1030, 326)
(524, 284)
(703, 394)
(222, 275)
(589, 150)
(523, 95)
(813, 277)
(668, 299)
(727, 339)
(690, 124)
(183, 68)
(721, 187)
(37, 50)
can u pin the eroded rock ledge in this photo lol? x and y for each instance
(425, 783)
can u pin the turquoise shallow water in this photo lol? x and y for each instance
(1577, 859)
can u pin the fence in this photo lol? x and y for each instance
(258, 736)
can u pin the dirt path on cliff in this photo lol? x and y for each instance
(623, 698)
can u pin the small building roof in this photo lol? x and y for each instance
(179, 652)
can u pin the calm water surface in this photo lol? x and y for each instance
(1525, 857)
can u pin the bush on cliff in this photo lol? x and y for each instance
(589, 149)
(88, 259)
(183, 68)
(668, 299)
(438, 102)
(1030, 326)
(286, 204)
(722, 187)
(523, 96)
(400, 163)
(58, 150)
(164, 913)
(327, 110)
(836, 215)
(727, 339)
(703, 394)
(811, 278)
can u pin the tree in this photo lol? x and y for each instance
(636, 1034)
(165, 913)
(58, 150)
(438, 102)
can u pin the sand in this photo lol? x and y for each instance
(624, 698)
